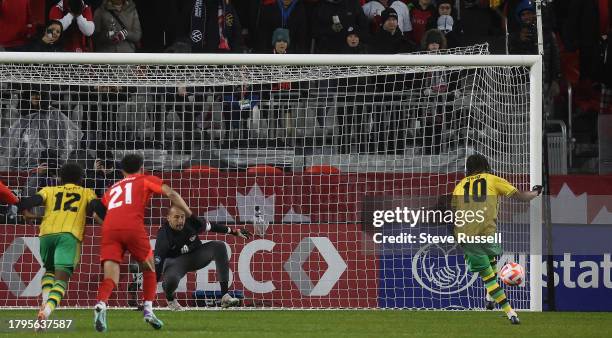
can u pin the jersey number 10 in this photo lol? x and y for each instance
(479, 191)
(118, 197)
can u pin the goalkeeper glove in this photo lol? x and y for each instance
(242, 233)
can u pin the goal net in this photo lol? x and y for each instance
(299, 149)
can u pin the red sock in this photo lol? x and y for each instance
(105, 289)
(149, 285)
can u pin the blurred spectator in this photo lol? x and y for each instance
(353, 42)
(446, 21)
(525, 41)
(77, 20)
(331, 18)
(433, 40)
(421, 11)
(280, 41)
(31, 99)
(289, 14)
(215, 28)
(117, 27)
(374, 8)
(583, 33)
(16, 24)
(389, 39)
(50, 41)
(44, 175)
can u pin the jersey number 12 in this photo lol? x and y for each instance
(118, 196)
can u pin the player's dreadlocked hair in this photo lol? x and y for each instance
(71, 173)
(477, 164)
(131, 163)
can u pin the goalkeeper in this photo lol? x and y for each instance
(479, 192)
(178, 250)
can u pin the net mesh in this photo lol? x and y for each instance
(292, 153)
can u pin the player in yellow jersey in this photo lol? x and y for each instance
(61, 231)
(479, 192)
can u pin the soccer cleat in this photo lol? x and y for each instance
(514, 320)
(150, 318)
(229, 301)
(41, 317)
(100, 318)
(175, 306)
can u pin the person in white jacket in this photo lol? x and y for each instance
(373, 8)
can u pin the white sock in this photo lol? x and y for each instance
(45, 296)
(47, 311)
(148, 306)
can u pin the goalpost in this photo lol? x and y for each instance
(294, 147)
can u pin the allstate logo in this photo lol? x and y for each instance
(196, 36)
(440, 270)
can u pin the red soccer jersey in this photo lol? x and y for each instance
(126, 201)
(6, 195)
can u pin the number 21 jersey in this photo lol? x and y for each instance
(126, 201)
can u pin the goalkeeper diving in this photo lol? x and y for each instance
(479, 191)
(178, 250)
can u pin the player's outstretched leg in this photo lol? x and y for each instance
(497, 293)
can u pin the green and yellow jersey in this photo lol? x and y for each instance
(479, 193)
(65, 209)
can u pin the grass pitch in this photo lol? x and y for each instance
(318, 324)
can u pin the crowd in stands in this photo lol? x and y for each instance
(575, 31)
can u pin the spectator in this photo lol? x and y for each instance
(421, 12)
(374, 8)
(525, 41)
(582, 30)
(433, 41)
(31, 99)
(288, 14)
(43, 176)
(50, 39)
(389, 40)
(77, 19)
(331, 18)
(16, 26)
(353, 42)
(446, 21)
(117, 27)
(215, 28)
(280, 41)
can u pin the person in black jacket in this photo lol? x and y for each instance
(389, 40)
(50, 41)
(178, 250)
(331, 19)
(288, 14)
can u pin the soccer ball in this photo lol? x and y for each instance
(512, 274)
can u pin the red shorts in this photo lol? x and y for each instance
(116, 242)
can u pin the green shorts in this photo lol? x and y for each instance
(60, 251)
(479, 257)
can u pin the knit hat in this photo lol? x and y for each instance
(445, 23)
(525, 5)
(280, 34)
(388, 13)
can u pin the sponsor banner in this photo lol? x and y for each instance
(293, 265)
(582, 283)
